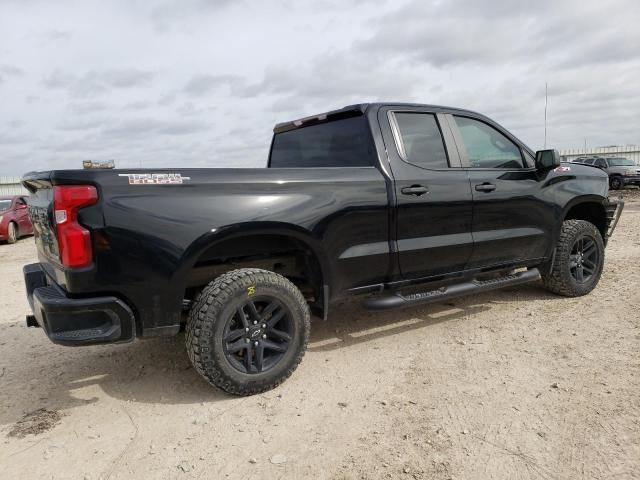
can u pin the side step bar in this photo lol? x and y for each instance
(397, 300)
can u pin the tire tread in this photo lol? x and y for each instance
(205, 312)
(558, 280)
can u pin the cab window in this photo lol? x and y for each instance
(486, 147)
(420, 141)
(338, 143)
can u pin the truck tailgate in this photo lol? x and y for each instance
(41, 214)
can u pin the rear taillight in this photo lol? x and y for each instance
(74, 241)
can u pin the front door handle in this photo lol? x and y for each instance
(485, 187)
(415, 190)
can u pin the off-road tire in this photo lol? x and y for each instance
(559, 279)
(12, 233)
(214, 306)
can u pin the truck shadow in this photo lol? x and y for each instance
(158, 371)
(349, 324)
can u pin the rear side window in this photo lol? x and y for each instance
(421, 139)
(621, 162)
(486, 146)
(338, 143)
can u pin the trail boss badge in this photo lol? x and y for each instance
(154, 178)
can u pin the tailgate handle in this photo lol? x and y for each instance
(415, 190)
(485, 187)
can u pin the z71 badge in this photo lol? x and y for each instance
(154, 178)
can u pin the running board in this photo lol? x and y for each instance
(397, 300)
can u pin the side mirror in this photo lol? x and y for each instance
(547, 159)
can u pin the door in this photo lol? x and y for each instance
(511, 222)
(433, 196)
(22, 216)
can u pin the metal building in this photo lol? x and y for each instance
(12, 186)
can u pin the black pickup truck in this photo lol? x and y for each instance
(375, 199)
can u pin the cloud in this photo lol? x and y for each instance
(203, 84)
(9, 138)
(84, 107)
(96, 82)
(7, 71)
(176, 13)
(562, 34)
(138, 105)
(333, 79)
(56, 35)
(80, 124)
(144, 127)
(11, 70)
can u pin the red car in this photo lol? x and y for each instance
(14, 219)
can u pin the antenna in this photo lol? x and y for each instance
(546, 102)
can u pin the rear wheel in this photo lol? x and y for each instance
(12, 234)
(616, 183)
(248, 331)
(579, 260)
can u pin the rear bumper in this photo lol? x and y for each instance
(75, 321)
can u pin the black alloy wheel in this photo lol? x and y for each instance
(248, 330)
(578, 260)
(257, 335)
(584, 259)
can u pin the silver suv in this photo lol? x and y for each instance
(622, 171)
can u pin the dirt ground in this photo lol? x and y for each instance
(513, 384)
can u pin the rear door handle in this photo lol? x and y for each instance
(415, 190)
(485, 187)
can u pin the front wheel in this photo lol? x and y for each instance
(248, 331)
(616, 183)
(578, 261)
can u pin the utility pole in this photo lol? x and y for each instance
(546, 102)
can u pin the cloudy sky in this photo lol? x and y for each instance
(202, 83)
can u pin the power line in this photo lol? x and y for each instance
(546, 103)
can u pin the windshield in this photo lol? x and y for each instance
(621, 162)
(5, 205)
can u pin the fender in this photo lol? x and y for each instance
(590, 198)
(228, 232)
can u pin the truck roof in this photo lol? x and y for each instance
(355, 110)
